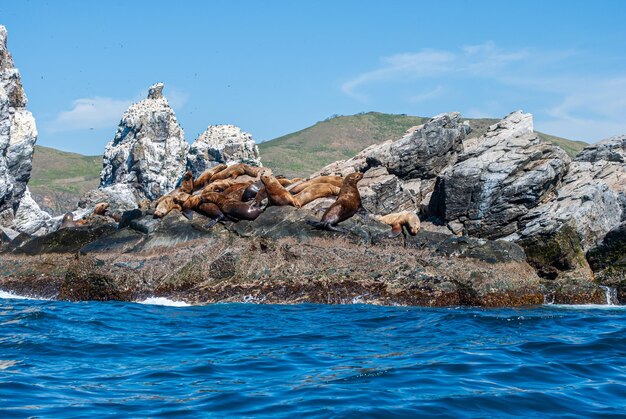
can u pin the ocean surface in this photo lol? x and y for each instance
(60, 359)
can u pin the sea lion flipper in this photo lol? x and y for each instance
(212, 222)
(188, 214)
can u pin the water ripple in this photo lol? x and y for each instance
(90, 359)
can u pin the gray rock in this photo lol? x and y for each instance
(18, 132)
(590, 199)
(120, 196)
(400, 174)
(498, 181)
(149, 151)
(146, 225)
(30, 219)
(222, 144)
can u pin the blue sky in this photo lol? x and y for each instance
(274, 67)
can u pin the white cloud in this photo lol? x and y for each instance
(565, 101)
(90, 113)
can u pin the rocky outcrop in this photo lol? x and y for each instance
(400, 174)
(18, 132)
(222, 144)
(149, 151)
(586, 207)
(497, 182)
(120, 197)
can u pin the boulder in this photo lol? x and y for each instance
(399, 175)
(120, 196)
(588, 205)
(149, 151)
(18, 134)
(222, 144)
(499, 180)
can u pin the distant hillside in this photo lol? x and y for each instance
(59, 178)
(306, 151)
(303, 152)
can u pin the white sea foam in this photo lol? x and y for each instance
(162, 301)
(587, 306)
(9, 294)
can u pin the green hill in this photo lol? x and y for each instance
(306, 151)
(59, 178)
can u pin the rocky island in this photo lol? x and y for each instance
(507, 219)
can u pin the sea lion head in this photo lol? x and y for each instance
(188, 175)
(353, 178)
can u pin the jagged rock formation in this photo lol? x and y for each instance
(400, 174)
(222, 144)
(590, 203)
(18, 133)
(149, 151)
(509, 172)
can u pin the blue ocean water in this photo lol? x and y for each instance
(127, 359)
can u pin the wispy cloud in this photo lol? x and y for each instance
(90, 113)
(482, 78)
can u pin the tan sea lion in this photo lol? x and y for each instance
(101, 208)
(347, 204)
(315, 191)
(218, 186)
(397, 220)
(187, 185)
(235, 209)
(333, 180)
(277, 195)
(286, 182)
(205, 177)
(165, 205)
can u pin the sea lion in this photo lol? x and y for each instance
(212, 211)
(333, 180)
(347, 204)
(101, 208)
(235, 170)
(286, 182)
(179, 196)
(236, 191)
(235, 209)
(187, 185)
(397, 220)
(68, 221)
(165, 205)
(252, 190)
(205, 177)
(315, 191)
(277, 195)
(218, 186)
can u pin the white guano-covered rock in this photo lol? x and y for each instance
(222, 144)
(149, 151)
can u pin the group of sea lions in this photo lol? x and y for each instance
(242, 192)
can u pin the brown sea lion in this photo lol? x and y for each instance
(212, 211)
(286, 182)
(347, 204)
(252, 190)
(165, 205)
(235, 209)
(187, 185)
(218, 186)
(205, 177)
(101, 208)
(315, 191)
(236, 191)
(179, 196)
(397, 220)
(277, 195)
(68, 221)
(333, 180)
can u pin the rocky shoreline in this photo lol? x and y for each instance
(507, 219)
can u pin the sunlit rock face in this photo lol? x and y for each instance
(149, 151)
(18, 133)
(222, 144)
(400, 174)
